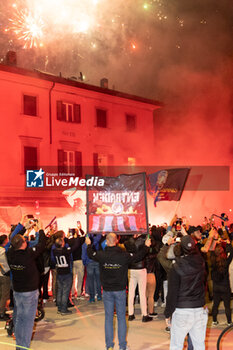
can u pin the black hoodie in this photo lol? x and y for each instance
(113, 263)
(186, 284)
(22, 262)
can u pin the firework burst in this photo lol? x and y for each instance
(28, 27)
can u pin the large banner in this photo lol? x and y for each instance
(167, 184)
(118, 206)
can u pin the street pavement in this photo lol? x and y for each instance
(84, 330)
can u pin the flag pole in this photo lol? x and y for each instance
(177, 206)
(178, 203)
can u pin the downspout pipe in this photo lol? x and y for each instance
(50, 113)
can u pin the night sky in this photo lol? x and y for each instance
(143, 47)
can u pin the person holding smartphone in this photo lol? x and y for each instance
(78, 267)
(25, 278)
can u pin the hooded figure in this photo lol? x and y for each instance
(186, 297)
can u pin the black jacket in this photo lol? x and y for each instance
(221, 282)
(186, 284)
(64, 258)
(113, 263)
(22, 262)
(151, 260)
(134, 245)
(78, 242)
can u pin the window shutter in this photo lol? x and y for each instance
(101, 118)
(59, 110)
(78, 163)
(77, 113)
(130, 122)
(70, 113)
(63, 113)
(60, 161)
(29, 105)
(30, 158)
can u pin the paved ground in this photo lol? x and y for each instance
(84, 330)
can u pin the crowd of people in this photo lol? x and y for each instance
(179, 265)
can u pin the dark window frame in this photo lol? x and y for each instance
(101, 118)
(100, 170)
(131, 122)
(30, 159)
(30, 105)
(77, 162)
(73, 109)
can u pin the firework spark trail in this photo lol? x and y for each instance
(69, 35)
(27, 27)
(37, 21)
(67, 15)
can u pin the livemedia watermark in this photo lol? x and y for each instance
(40, 179)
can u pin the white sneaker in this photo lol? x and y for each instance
(155, 303)
(163, 304)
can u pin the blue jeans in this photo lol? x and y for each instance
(192, 321)
(190, 344)
(93, 275)
(25, 305)
(64, 284)
(117, 298)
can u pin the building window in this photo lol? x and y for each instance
(101, 118)
(70, 162)
(30, 158)
(131, 161)
(130, 122)
(68, 112)
(29, 105)
(103, 164)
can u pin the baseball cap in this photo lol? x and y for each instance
(188, 244)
